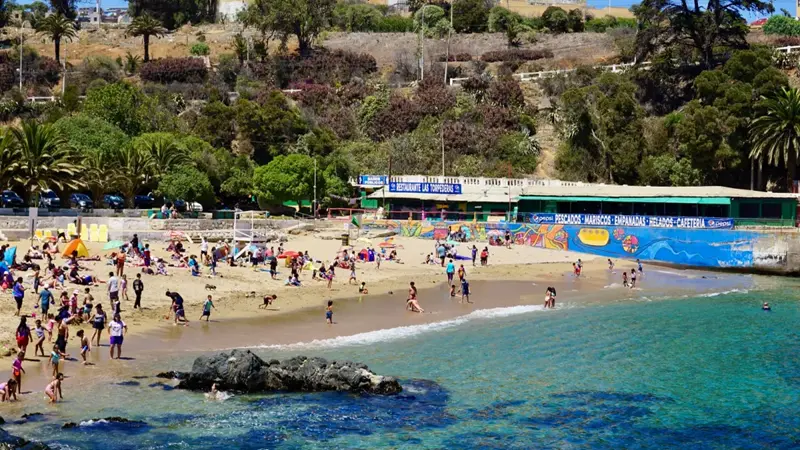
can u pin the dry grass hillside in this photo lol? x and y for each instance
(569, 49)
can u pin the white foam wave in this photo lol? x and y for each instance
(716, 294)
(391, 334)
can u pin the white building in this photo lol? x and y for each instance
(230, 8)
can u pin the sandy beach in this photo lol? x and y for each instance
(515, 277)
(233, 285)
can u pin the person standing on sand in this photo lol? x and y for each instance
(624, 279)
(23, 334)
(207, 309)
(508, 239)
(464, 291)
(633, 278)
(352, 272)
(116, 329)
(329, 313)
(639, 263)
(451, 271)
(442, 252)
(120, 262)
(113, 289)
(138, 288)
(19, 294)
(610, 264)
(474, 254)
(204, 250)
(45, 298)
(135, 244)
(98, 323)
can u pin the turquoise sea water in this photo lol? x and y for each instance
(703, 372)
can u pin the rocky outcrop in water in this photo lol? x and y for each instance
(11, 442)
(244, 371)
(106, 420)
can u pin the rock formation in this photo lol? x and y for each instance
(244, 371)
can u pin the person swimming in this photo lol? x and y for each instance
(766, 307)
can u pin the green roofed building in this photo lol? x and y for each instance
(485, 198)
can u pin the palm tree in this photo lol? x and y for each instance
(146, 26)
(57, 27)
(163, 153)
(776, 133)
(134, 165)
(103, 173)
(46, 160)
(9, 157)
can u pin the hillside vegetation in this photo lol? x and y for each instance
(315, 85)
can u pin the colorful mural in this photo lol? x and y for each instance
(687, 247)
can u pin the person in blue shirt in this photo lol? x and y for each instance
(442, 252)
(465, 290)
(46, 298)
(451, 270)
(194, 266)
(474, 254)
(18, 291)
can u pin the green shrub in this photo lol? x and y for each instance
(602, 24)
(556, 19)
(782, 25)
(394, 24)
(200, 49)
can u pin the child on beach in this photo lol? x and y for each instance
(329, 313)
(17, 370)
(576, 269)
(23, 334)
(84, 346)
(624, 279)
(8, 390)
(462, 272)
(352, 272)
(363, 288)
(123, 288)
(39, 331)
(465, 291)
(55, 358)
(452, 290)
(207, 309)
(88, 304)
(610, 264)
(51, 322)
(53, 390)
(99, 323)
(633, 278)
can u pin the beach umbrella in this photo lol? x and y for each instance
(113, 244)
(289, 254)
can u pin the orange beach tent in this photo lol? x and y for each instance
(76, 244)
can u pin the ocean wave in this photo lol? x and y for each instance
(391, 334)
(717, 294)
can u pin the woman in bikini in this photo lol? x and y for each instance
(412, 302)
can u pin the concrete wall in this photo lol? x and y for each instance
(774, 251)
(17, 227)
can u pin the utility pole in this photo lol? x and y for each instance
(443, 149)
(447, 54)
(21, 40)
(99, 17)
(422, 45)
(315, 190)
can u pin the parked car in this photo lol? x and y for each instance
(49, 199)
(180, 205)
(143, 201)
(81, 201)
(10, 199)
(113, 201)
(194, 206)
